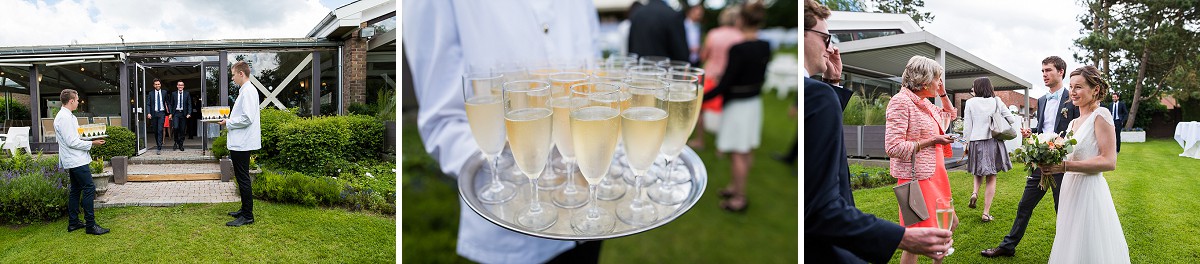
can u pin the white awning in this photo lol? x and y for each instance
(885, 57)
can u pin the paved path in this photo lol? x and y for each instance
(168, 193)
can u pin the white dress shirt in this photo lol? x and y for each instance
(441, 40)
(1049, 118)
(72, 150)
(245, 130)
(692, 30)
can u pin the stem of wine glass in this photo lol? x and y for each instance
(570, 173)
(593, 212)
(637, 180)
(534, 206)
(494, 161)
(670, 171)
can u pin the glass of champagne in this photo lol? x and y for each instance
(485, 115)
(571, 196)
(944, 212)
(646, 72)
(653, 60)
(683, 97)
(608, 189)
(529, 123)
(672, 63)
(643, 127)
(595, 128)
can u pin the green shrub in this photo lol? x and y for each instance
(219, 149)
(370, 187)
(97, 166)
(32, 188)
(366, 137)
(314, 145)
(863, 177)
(362, 109)
(853, 115)
(298, 188)
(272, 119)
(15, 109)
(120, 142)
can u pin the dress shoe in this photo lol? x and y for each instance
(998, 252)
(240, 221)
(76, 226)
(96, 230)
(235, 214)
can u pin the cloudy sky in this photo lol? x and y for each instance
(1014, 35)
(60, 22)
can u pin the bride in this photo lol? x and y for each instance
(1088, 230)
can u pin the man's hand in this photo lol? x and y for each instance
(833, 66)
(926, 241)
(222, 122)
(188, 116)
(147, 116)
(97, 142)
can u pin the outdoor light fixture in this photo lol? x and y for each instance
(367, 32)
(39, 77)
(301, 84)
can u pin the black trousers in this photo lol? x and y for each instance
(1119, 124)
(241, 170)
(83, 191)
(179, 128)
(156, 126)
(586, 252)
(1029, 200)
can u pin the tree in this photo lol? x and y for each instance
(1145, 46)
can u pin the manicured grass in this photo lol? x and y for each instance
(1153, 189)
(196, 233)
(766, 233)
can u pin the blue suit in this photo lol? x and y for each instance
(834, 230)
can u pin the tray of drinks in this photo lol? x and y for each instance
(213, 114)
(476, 174)
(92, 131)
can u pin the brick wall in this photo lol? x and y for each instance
(354, 71)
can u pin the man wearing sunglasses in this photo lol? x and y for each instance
(834, 229)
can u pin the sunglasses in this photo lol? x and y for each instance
(826, 37)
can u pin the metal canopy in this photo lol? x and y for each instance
(885, 57)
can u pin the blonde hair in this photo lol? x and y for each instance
(728, 16)
(919, 72)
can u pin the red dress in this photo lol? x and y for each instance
(937, 186)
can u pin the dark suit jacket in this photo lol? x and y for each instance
(834, 230)
(1122, 113)
(657, 30)
(1063, 121)
(187, 103)
(150, 109)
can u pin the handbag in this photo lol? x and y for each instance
(1001, 129)
(910, 198)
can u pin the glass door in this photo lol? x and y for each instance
(139, 98)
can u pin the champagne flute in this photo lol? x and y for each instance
(653, 60)
(683, 98)
(646, 72)
(643, 126)
(529, 123)
(595, 128)
(609, 190)
(672, 63)
(485, 116)
(563, 103)
(944, 213)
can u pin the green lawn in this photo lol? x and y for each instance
(196, 233)
(1153, 188)
(766, 233)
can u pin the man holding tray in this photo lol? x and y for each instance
(245, 135)
(73, 156)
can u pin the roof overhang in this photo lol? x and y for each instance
(843, 20)
(343, 21)
(885, 57)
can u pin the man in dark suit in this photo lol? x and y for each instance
(834, 230)
(1054, 113)
(1120, 111)
(181, 110)
(156, 108)
(657, 30)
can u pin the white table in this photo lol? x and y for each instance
(1188, 136)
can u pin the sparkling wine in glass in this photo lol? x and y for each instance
(528, 119)
(573, 195)
(944, 213)
(595, 128)
(643, 127)
(683, 99)
(485, 115)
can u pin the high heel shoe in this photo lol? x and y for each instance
(972, 204)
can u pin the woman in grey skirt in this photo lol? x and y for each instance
(986, 155)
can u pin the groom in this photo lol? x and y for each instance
(1055, 111)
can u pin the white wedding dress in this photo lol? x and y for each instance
(1088, 230)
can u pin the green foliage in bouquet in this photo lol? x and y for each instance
(1044, 149)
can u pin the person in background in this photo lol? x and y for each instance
(741, 84)
(986, 155)
(657, 30)
(156, 105)
(691, 28)
(843, 233)
(442, 39)
(181, 111)
(715, 54)
(74, 157)
(914, 134)
(1120, 113)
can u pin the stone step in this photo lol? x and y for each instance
(189, 156)
(173, 172)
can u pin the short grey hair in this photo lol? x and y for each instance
(728, 16)
(919, 72)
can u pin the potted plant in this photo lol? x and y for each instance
(100, 177)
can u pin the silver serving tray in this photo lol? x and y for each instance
(93, 137)
(472, 176)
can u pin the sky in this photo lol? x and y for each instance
(63, 22)
(1014, 35)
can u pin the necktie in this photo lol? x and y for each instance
(1115, 109)
(178, 101)
(1052, 96)
(158, 101)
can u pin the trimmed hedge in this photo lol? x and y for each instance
(120, 142)
(314, 145)
(298, 188)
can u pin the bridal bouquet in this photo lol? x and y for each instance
(1044, 149)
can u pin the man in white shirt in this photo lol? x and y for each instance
(245, 135)
(73, 156)
(441, 40)
(691, 27)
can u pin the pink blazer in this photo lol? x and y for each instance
(910, 119)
